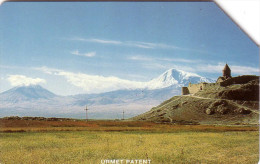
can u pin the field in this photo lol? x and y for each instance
(31, 141)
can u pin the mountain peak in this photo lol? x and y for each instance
(174, 71)
(176, 77)
(30, 92)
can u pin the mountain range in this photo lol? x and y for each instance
(34, 100)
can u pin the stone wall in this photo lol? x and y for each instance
(185, 91)
(194, 88)
(239, 80)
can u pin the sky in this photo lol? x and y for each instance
(93, 47)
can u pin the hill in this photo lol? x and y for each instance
(233, 104)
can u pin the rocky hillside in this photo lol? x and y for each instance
(234, 104)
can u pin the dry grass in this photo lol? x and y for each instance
(92, 146)
(93, 141)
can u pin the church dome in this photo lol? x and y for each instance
(226, 68)
(226, 72)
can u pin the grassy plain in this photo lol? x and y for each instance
(91, 142)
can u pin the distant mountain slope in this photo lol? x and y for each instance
(126, 96)
(235, 104)
(26, 93)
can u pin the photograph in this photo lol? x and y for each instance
(121, 82)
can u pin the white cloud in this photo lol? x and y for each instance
(156, 66)
(150, 45)
(235, 69)
(140, 44)
(166, 66)
(76, 52)
(209, 68)
(102, 41)
(89, 54)
(137, 44)
(165, 63)
(179, 60)
(142, 58)
(94, 83)
(243, 70)
(18, 80)
(47, 70)
(198, 67)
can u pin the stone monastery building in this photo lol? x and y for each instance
(225, 80)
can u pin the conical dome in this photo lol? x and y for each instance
(226, 68)
(226, 71)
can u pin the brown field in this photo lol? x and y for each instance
(109, 125)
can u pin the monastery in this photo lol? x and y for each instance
(225, 80)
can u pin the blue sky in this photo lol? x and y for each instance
(91, 47)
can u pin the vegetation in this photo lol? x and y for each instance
(109, 125)
(92, 147)
(90, 142)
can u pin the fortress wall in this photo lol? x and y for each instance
(194, 88)
(185, 91)
(239, 80)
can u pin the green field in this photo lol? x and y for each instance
(161, 147)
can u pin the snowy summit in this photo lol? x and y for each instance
(175, 77)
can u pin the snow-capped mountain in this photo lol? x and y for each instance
(177, 78)
(26, 93)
